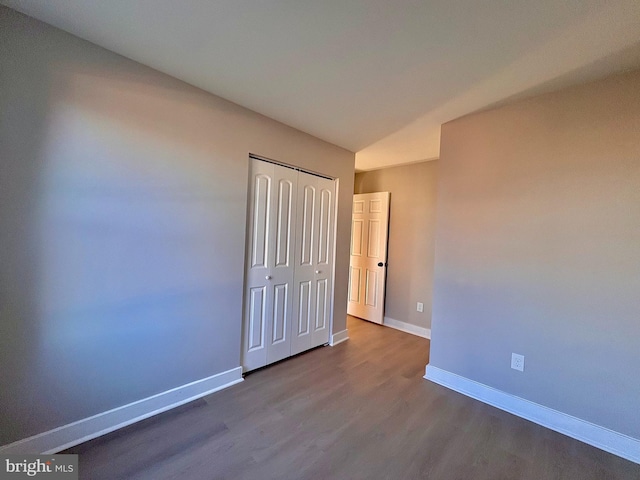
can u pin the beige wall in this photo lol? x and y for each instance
(411, 236)
(538, 250)
(123, 199)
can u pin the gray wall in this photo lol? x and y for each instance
(411, 236)
(123, 199)
(538, 250)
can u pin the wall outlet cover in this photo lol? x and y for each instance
(517, 362)
(420, 307)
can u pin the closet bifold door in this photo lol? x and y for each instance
(313, 263)
(269, 264)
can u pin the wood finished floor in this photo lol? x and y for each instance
(359, 410)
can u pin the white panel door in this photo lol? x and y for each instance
(282, 270)
(313, 295)
(324, 262)
(367, 269)
(270, 270)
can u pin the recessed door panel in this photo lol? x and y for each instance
(371, 283)
(284, 237)
(308, 226)
(257, 313)
(373, 243)
(304, 308)
(356, 237)
(324, 232)
(280, 307)
(354, 284)
(375, 205)
(261, 211)
(321, 304)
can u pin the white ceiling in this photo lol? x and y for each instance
(377, 77)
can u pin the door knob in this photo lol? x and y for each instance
(380, 264)
(318, 271)
(268, 277)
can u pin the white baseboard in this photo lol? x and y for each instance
(600, 437)
(78, 432)
(339, 337)
(407, 327)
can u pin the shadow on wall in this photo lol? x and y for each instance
(115, 230)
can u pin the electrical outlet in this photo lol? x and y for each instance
(420, 307)
(517, 362)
